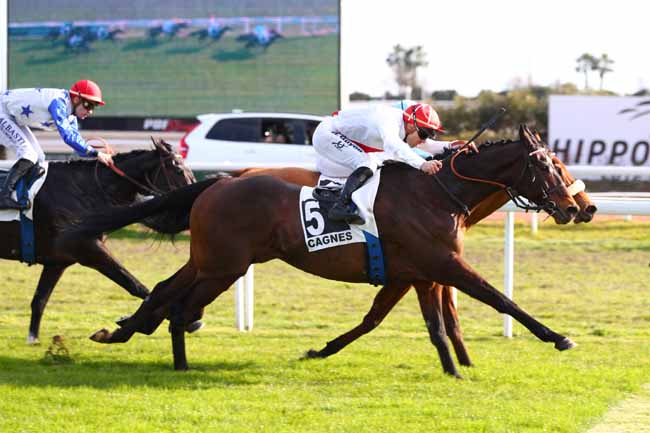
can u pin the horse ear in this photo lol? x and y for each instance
(526, 136)
(156, 145)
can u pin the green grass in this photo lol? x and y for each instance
(588, 282)
(185, 77)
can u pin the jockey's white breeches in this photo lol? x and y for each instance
(337, 155)
(19, 138)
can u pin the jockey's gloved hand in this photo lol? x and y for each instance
(105, 158)
(431, 167)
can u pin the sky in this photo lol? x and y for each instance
(473, 45)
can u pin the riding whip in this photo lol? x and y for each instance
(491, 121)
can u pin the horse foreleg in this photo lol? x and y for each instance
(152, 310)
(385, 300)
(458, 273)
(49, 277)
(452, 326)
(430, 299)
(98, 257)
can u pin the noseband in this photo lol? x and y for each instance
(547, 205)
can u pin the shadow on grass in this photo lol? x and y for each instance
(233, 56)
(112, 374)
(142, 44)
(185, 50)
(57, 57)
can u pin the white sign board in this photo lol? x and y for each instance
(600, 130)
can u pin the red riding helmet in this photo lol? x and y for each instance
(423, 116)
(88, 90)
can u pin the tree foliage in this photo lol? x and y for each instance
(405, 63)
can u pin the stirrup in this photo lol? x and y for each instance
(9, 203)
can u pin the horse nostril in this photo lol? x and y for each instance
(572, 210)
(591, 209)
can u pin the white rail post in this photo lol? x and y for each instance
(249, 300)
(508, 276)
(239, 305)
(244, 301)
(534, 223)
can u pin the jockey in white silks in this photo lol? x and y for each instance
(344, 140)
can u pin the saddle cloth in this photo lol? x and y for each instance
(321, 233)
(13, 214)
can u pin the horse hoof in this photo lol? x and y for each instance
(194, 326)
(565, 344)
(32, 340)
(100, 336)
(311, 354)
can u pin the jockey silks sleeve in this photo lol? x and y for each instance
(68, 128)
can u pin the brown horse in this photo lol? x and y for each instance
(236, 222)
(440, 295)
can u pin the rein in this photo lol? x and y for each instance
(549, 206)
(150, 187)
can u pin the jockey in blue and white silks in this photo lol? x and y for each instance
(49, 109)
(262, 34)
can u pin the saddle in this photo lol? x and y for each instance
(327, 191)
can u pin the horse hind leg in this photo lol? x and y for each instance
(430, 299)
(46, 283)
(452, 326)
(385, 300)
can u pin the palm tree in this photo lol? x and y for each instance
(405, 63)
(603, 67)
(586, 63)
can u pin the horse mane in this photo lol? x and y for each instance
(84, 162)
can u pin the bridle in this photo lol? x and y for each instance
(547, 205)
(149, 185)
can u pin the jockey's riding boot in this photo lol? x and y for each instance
(344, 209)
(20, 168)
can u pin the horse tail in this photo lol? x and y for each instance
(176, 205)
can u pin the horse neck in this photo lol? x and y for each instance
(498, 162)
(84, 185)
(486, 207)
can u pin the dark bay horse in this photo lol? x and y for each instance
(236, 222)
(440, 296)
(74, 188)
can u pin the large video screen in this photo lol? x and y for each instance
(182, 58)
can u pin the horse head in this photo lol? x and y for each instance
(540, 181)
(156, 171)
(577, 190)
